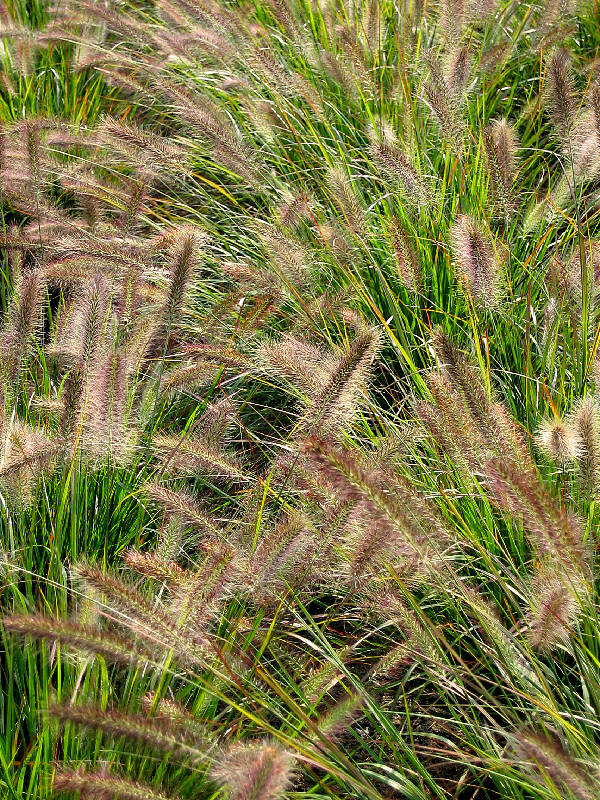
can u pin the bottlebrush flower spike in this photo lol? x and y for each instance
(335, 405)
(409, 264)
(102, 785)
(281, 556)
(151, 565)
(397, 166)
(85, 638)
(182, 505)
(306, 366)
(23, 323)
(559, 440)
(348, 203)
(27, 454)
(556, 601)
(191, 454)
(556, 533)
(201, 597)
(471, 421)
(338, 718)
(560, 95)
(83, 326)
(445, 102)
(160, 733)
(257, 771)
(403, 528)
(585, 420)
(136, 611)
(477, 259)
(500, 142)
(107, 431)
(554, 766)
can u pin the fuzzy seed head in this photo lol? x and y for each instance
(477, 260)
(256, 771)
(559, 440)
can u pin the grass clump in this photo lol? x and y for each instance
(299, 422)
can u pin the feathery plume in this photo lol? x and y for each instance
(490, 424)
(102, 785)
(158, 732)
(339, 717)
(500, 143)
(559, 440)
(474, 252)
(410, 268)
(182, 505)
(556, 533)
(280, 555)
(201, 597)
(24, 321)
(336, 403)
(28, 452)
(560, 95)
(191, 454)
(401, 524)
(84, 638)
(288, 256)
(445, 102)
(152, 565)
(82, 333)
(586, 424)
(556, 608)
(554, 766)
(137, 612)
(304, 365)
(348, 203)
(397, 166)
(107, 432)
(321, 680)
(254, 771)
(135, 144)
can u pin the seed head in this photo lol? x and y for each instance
(559, 440)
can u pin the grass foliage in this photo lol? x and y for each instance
(299, 427)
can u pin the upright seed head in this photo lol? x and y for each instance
(474, 252)
(586, 423)
(560, 95)
(500, 143)
(559, 440)
(409, 264)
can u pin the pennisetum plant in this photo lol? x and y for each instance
(371, 578)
